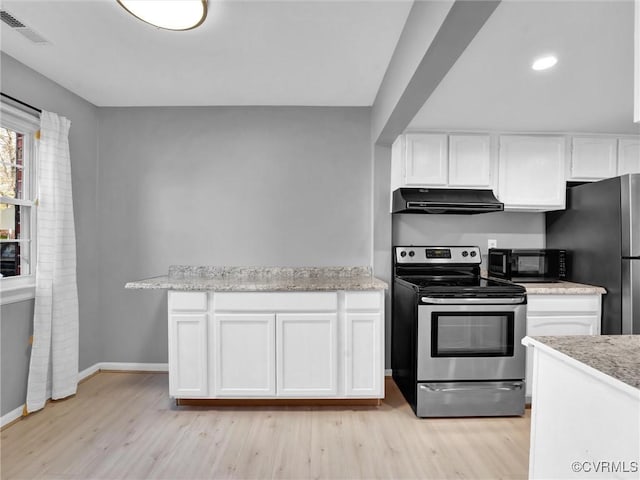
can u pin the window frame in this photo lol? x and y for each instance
(22, 287)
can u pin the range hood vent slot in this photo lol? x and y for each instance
(445, 201)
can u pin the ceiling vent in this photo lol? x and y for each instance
(21, 28)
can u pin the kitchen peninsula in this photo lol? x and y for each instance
(274, 333)
(586, 415)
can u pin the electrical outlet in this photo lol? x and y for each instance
(492, 243)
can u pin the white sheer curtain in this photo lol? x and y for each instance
(54, 354)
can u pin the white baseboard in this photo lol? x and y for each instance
(11, 416)
(142, 367)
(388, 372)
(87, 372)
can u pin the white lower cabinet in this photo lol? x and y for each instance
(554, 315)
(562, 325)
(276, 345)
(244, 355)
(188, 353)
(364, 354)
(306, 359)
(188, 357)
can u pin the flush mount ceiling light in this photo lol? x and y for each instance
(544, 63)
(168, 14)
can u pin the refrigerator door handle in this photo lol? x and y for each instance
(631, 296)
(630, 210)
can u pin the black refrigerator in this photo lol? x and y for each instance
(601, 230)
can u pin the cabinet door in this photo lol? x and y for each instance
(628, 156)
(532, 172)
(425, 159)
(245, 356)
(188, 355)
(307, 354)
(363, 354)
(593, 158)
(558, 325)
(469, 161)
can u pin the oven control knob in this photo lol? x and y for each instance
(473, 253)
(465, 253)
(403, 253)
(411, 253)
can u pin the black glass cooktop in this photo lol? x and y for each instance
(461, 284)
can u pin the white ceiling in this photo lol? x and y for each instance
(335, 52)
(492, 87)
(246, 53)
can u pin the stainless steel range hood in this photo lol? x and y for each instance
(445, 200)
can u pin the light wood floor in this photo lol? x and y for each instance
(123, 425)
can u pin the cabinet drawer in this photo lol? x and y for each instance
(188, 301)
(556, 325)
(276, 301)
(562, 303)
(363, 300)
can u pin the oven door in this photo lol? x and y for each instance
(471, 342)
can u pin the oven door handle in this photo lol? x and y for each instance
(475, 386)
(473, 301)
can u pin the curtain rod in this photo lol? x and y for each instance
(21, 102)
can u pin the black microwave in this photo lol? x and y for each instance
(528, 265)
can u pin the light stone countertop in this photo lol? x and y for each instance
(615, 355)
(562, 288)
(262, 279)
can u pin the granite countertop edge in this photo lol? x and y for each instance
(562, 288)
(612, 358)
(262, 279)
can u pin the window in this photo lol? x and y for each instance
(17, 199)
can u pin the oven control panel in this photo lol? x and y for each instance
(429, 254)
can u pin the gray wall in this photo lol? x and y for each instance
(16, 327)
(222, 186)
(29, 86)
(510, 229)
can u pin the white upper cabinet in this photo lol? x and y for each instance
(425, 159)
(441, 161)
(628, 156)
(532, 172)
(469, 161)
(592, 158)
(527, 172)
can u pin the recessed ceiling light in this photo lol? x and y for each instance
(545, 62)
(168, 14)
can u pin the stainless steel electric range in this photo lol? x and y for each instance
(456, 347)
